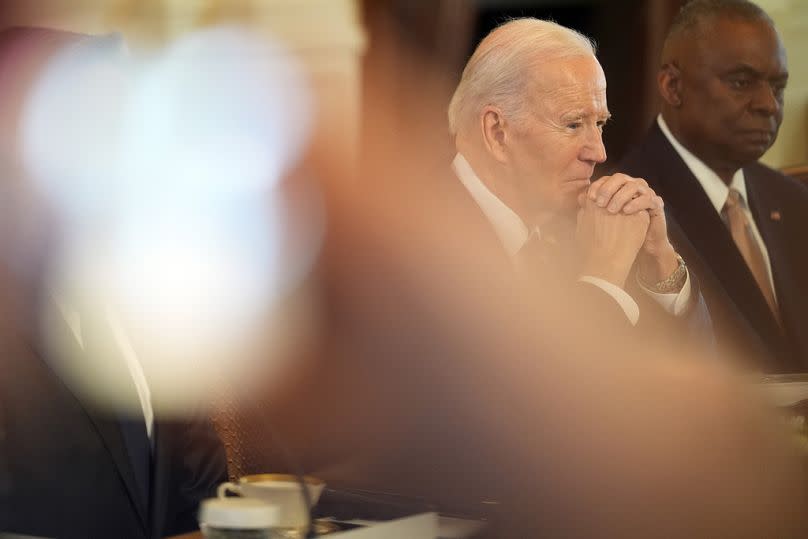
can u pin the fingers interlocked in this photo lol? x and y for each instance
(622, 193)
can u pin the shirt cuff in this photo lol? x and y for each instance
(622, 298)
(674, 304)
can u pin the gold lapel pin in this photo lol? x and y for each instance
(775, 215)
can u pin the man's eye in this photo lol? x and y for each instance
(574, 125)
(601, 125)
(740, 84)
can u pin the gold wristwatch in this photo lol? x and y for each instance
(674, 282)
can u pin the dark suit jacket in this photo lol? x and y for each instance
(424, 384)
(64, 470)
(744, 323)
(695, 323)
(65, 463)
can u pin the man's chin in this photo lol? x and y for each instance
(753, 153)
(750, 151)
(570, 192)
(569, 203)
(576, 186)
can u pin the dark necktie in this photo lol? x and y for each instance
(553, 254)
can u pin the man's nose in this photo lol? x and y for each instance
(766, 100)
(594, 151)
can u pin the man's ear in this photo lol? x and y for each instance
(495, 134)
(669, 80)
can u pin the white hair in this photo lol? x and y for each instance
(497, 72)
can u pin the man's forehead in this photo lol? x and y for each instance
(728, 42)
(568, 78)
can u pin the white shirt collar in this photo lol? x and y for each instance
(73, 319)
(508, 226)
(70, 316)
(715, 188)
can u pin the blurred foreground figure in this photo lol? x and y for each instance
(441, 379)
(75, 466)
(439, 382)
(722, 80)
(528, 116)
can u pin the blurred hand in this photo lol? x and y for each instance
(609, 241)
(621, 193)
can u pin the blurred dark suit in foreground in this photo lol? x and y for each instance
(72, 466)
(69, 473)
(440, 377)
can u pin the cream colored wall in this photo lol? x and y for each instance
(791, 18)
(326, 35)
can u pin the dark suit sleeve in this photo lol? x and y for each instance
(199, 465)
(598, 300)
(694, 325)
(696, 322)
(5, 475)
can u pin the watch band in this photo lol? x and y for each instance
(674, 282)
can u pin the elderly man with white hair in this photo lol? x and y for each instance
(527, 119)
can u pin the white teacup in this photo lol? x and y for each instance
(280, 490)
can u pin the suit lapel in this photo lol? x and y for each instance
(62, 345)
(688, 203)
(110, 433)
(762, 206)
(476, 226)
(774, 219)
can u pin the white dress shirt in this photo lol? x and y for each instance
(717, 191)
(513, 233)
(120, 338)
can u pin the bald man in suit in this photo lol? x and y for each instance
(722, 80)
